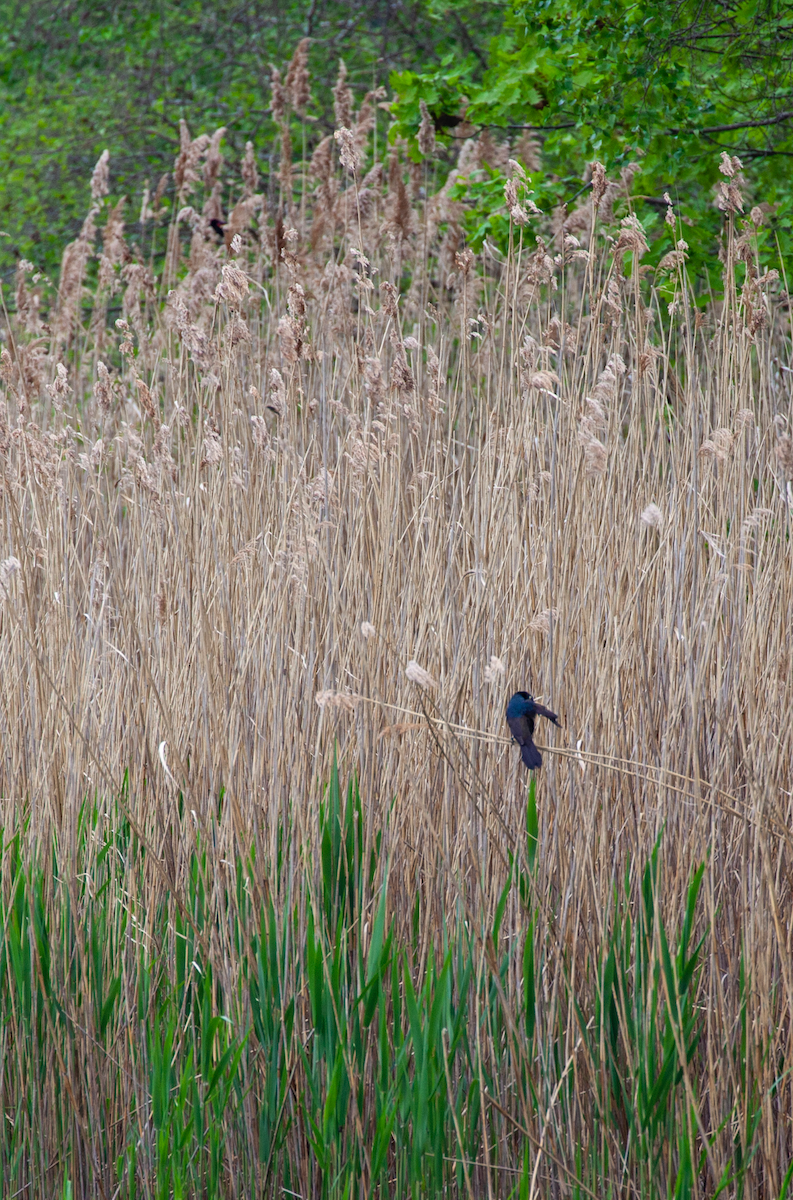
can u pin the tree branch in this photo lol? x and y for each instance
(777, 120)
(465, 35)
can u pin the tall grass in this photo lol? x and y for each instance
(294, 464)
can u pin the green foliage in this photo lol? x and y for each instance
(376, 1058)
(647, 1023)
(667, 86)
(80, 77)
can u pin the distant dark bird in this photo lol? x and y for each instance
(521, 711)
(444, 120)
(218, 227)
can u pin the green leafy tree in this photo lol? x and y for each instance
(669, 87)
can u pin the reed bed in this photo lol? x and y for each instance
(290, 506)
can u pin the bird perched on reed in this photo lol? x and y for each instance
(521, 713)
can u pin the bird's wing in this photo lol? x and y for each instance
(546, 712)
(521, 728)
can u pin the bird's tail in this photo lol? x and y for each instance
(530, 755)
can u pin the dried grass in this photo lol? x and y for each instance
(251, 585)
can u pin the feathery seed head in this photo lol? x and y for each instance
(8, 568)
(59, 389)
(191, 151)
(214, 159)
(100, 178)
(419, 676)
(212, 448)
(276, 396)
(103, 393)
(248, 171)
(298, 81)
(233, 288)
(348, 151)
(278, 98)
(426, 134)
(494, 670)
(784, 455)
(729, 166)
(652, 517)
(541, 622)
(342, 99)
(343, 700)
(599, 183)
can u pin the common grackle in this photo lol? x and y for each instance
(521, 711)
(444, 120)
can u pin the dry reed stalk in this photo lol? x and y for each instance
(196, 595)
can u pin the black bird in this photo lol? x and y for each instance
(444, 120)
(521, 711)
